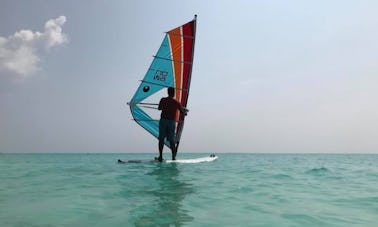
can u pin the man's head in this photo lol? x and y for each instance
(171, 92)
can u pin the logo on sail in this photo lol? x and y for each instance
(160, 75)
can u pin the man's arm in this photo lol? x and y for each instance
(183, 110)
(160, 104)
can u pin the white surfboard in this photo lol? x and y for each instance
(193, 160)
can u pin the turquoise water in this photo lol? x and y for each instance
(234, 190)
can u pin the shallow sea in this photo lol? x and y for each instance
(235, 190)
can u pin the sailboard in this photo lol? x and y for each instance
(194, 160)
(170, 67)
(210, 158)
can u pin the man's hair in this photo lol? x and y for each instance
(171, 92)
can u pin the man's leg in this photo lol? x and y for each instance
(173, 149)
(170, 137)
(161, 146)
(162, 135)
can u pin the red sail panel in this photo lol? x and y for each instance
(188, 36)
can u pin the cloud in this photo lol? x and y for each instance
(21, 53)
(53, 32)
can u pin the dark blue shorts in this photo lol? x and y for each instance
(167, 129)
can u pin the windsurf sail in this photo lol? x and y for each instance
(170, 67)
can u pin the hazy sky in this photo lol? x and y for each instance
(268, 76)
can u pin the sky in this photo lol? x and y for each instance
(268, 76)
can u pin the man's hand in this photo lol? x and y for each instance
(184, 111)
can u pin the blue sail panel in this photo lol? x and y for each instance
(160, 74)
(151, 125)
(144, 120)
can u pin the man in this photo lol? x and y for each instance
(167, 123)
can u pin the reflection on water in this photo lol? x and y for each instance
(167, 208)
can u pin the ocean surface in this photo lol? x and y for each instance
(234, 190)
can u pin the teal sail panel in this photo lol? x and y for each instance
(159, 75)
